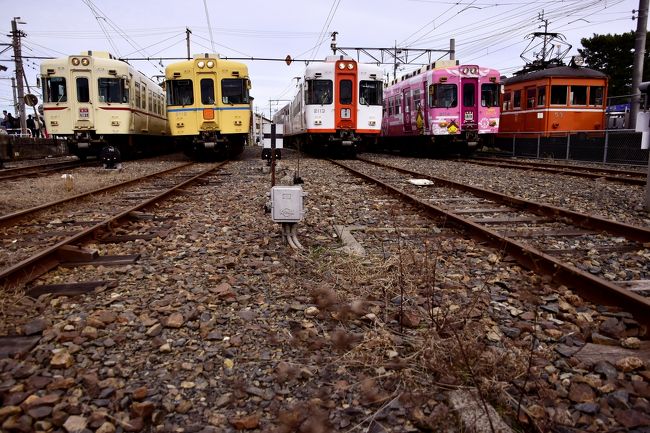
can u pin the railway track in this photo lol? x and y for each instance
(603, 260)
(56, 232)
(39, 169)
(631, 177)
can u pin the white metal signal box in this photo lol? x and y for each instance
(286, 204)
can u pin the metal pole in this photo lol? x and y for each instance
(187, 36)
(639, 54)
(18, 59)
(513, 145)
(538, 144)
(452, 49)
(272, 155)
(606, 146)
(568, 145)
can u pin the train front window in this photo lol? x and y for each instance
(180, 92)
(319, 92)
(83, 92)
(558, 95)
(370, 92)
(578, 95)
(55, 89)
(469, 98)
(489, 95)
(207, 91)
(234, 91)
(443, 95)
(110, 90)
(596, 96)
(345, 92)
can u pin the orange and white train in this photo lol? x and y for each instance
(337, 107)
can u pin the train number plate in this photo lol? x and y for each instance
(345, 113)
(469, 115)
(83, 113)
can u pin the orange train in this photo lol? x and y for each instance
(554, 101)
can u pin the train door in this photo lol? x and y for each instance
(82, 109)
(345, 105)
(406, 109)
(469, 106)
(530, 115)
(425, 104)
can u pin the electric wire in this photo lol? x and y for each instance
(207, 16)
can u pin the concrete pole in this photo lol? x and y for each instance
(639, 55)
(18, 59)
(637, 73)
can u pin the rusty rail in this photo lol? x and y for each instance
(40, 263)
(588, 286)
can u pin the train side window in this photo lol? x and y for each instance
(443, 95)
(144, 96)
(530, 97)
(137, 95)
(207, 91)
(558, 95)
(516, 103)
(83, 90)
(55, 89)
(489, 95)
(596, 96)
(578, 95)
(180, 92)
(398, 104)
(541, 96)
(507, 101)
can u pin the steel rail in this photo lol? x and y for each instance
(561, 167)
(33, 170)
(588, 286)
(628, 231)
(5, 219)
(36, 265)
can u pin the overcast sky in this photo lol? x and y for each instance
(491, 33)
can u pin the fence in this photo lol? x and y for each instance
(620, 146)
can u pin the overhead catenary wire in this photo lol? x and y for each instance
(207, 17)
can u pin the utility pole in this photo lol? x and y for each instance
(188, 32)
(639, 55)
(18, 59)
(637, 73)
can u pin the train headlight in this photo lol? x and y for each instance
(350, 66)
(210, 64)
(341, 66)
(85, 61)
(75, 61)
(200, 64)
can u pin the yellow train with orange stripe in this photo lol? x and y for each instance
(208, 105)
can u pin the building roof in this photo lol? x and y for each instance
(560, 71)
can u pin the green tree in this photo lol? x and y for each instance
(614, 55)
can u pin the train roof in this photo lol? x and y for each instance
(559, 71)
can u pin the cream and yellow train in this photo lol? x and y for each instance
(208, 105)
(94, 100)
